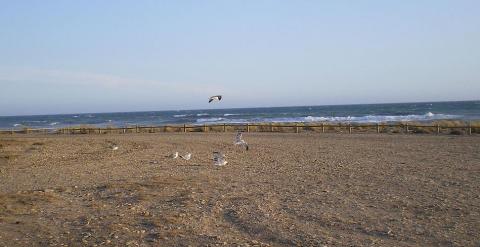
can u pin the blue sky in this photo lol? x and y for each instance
(101, 56)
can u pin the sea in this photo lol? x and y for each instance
(361, 113)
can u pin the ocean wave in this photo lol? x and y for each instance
(35, 121)
(54, 123)
(180, 115)
(351, 119)
(202, 114)
(210, 120)
(231, 114)
(372, 118)
(16, 125)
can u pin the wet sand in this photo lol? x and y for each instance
(307, 189)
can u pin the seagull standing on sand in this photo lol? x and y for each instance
(173, 156)
(216, 97)
(219, 159)
(187, 156)
(112, 145)
(239, 141)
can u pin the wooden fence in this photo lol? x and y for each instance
(286, 127)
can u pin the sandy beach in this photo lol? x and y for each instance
(307, 189)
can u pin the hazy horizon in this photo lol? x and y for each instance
(114, 56)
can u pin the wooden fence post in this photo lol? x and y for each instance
(406, 128)
(378, 128)
(204, 127)
(350, 128)
(248, 127)
(323, 128)
(271, 127)
(438, 129)
(184, 128)
(469, 128)
(296, 127)
(224, 127)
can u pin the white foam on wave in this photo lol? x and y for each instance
(180, 115)
(351, 119)
(54, 123)
(202, 114)
(16, 125)
(230, 114)
(36, 121)
(209, 120)
(377, 118)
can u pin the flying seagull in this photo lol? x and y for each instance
(239, 141)
(219, 159)
(187, 156)
(173, 156)
(216, 97)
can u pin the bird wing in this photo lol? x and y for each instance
(218, 97)
(186, 156)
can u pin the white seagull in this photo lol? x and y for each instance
(187, 156)
(219, 159)
(112, 145)
(240, 141)
(173, 156)
(216, 97)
